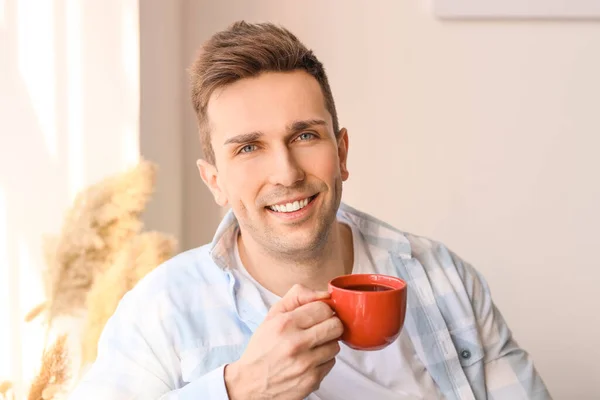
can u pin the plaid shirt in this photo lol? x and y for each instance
(172, 335)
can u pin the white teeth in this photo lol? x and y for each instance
(290, 207)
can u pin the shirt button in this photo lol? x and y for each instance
(466, 354)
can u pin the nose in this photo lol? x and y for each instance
(285, 170)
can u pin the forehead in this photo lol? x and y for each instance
(266, 103)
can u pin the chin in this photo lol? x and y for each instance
(302, 242)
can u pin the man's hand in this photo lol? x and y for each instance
(291, 351)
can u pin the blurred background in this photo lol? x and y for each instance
(483, 134)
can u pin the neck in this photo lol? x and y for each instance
(279, 274)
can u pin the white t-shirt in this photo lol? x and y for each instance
(394, 372)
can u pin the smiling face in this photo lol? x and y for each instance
(279, 164)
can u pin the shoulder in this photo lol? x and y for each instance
(441, 266)
(169, 287)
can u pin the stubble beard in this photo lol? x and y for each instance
(275, 245)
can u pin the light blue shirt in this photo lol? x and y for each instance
(173, 334)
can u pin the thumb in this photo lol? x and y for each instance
(297, 296)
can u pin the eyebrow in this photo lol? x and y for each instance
(297, 126)
(292, 128)
(244, 138)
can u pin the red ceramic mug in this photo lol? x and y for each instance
(371, 307)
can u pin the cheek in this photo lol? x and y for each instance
(242, 184)
(321, 162)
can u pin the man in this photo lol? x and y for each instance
(240, 318)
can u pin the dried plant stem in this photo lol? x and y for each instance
(53, 373)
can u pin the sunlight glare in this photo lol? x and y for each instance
(130, 56)
(130, 145)
(5, 301)
(76, 166)
(36, 55)
(2, 25)
(130, 48)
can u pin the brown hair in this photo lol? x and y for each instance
(246, 50)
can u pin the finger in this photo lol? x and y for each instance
(308, 315)
(297, 296)
(319, 355)
(323, 332)
(325, 368)
(325, 353)
(318, 373)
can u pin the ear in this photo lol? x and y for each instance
(342, 142)
(210, 176)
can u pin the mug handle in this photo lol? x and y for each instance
(329, 302)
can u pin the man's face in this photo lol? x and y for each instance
(278, 163)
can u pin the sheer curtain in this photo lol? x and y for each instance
(69, 116)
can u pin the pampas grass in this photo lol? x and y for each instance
(99, 255)
(6, 391)
(138, 257)
(103, 218)
(53, 375)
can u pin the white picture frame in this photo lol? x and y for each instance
(519, 9)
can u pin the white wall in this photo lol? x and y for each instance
(201, 214)
(485, 135)
(161, 110)
(69, 116)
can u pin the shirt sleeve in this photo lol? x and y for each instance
(135, 362)
(509, 370)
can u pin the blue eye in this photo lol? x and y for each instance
(306, 136)
(248, 148)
